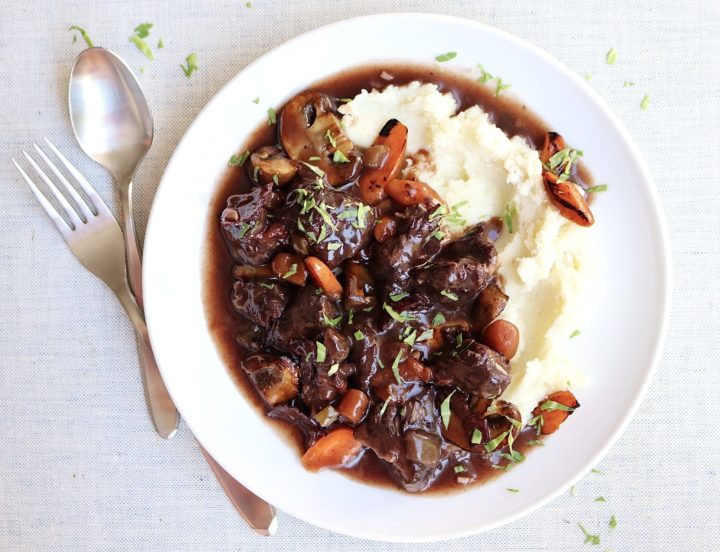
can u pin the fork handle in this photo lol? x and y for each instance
(163, 413)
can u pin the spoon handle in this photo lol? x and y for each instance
(164, 415)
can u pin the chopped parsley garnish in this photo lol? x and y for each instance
(276, 180)
(161, 43)
(334, 246)
(351, 313)
(322, 209)
(400, 317)
(500, 86)
(476, 438)
(438, 235)
(449, 294)
(320, 352)
(192, 65)
(486, 77)
(400, 295)
(492, 445)
(244, 228)
(332, 322)
(515, 456)
(385, 405)
(143, 30)
(587, 77)
(572, 490)
(256, 171)
(427, 334)
(358, 335)
(552, 405)
(511, 490)
(536, 442)
(575, 334)
(140, 33)
(362, 211)
(410, 338)
(330, 138)
(438, 319)
(314, 158)
(645, 102)
(597, 189)
(83, 33)
(317, 170)
(238, 160)
(628, 83)
(271, 115)
(248, 5)
(508, 215)
(459, 469)
(256, 100)
(595, 470)
(589, 538)
(600, 499)
(267, 286)
(291, 272)
(613, 522)
(395, 369)
(612, 56)
(446, 56)
(142, 69)
(333, 369)
(445, 411)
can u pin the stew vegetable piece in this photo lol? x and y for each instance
(363, 323)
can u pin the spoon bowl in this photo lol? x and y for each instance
(109, 114)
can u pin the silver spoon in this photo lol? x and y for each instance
(113, 124)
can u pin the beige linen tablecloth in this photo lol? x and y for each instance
(80, 466)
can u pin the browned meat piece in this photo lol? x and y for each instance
(475, 369)
(261, 302)
(250, 235)
(275, 378)
(416, 242)
(489, 305)
(308, 426)
(381, 432)
(336, 225)
(249, 335)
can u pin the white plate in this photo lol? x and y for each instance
(620, 346)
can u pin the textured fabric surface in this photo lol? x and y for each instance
(80, 466)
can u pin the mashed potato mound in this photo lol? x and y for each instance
(546, 263)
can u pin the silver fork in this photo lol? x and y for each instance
(96, 240)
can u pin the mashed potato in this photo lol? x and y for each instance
(546, 264)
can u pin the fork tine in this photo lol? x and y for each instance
(72, 214)
(85, 211)
(99, 204)
(62, 225)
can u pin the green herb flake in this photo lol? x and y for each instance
(500, 86)
(597, 189)
(600, 499)
(612, 56)
(595, 470)
(395, 368)
(267, 286)
(536, 442)
(320, 352)
(410, 339)
(492, 445)
(427, 334)
(143, 46)
(508, 215)
(445, 411)
(587, 77)
(143, 30)
(83, 33)
(626, 84)
(238, 160)
(613, 522)
(449, 294)
(572, 490)
(645, 102)
(256, 172)
(322, 209)
(317, 170)
(511, 490)
(332, 322)
(248, 5)
(142, 69)
(575, 334)
(340, 157)
(446, 56)
(291, 272)
(160, 44)
(399, 317)
(589, 538)
(330, 138)
(334, 246)
(438, 319)
(385, 405)
(362, 211)
(552, 405)
(271, 116)
(358, 335)
(314, 158)
(191, 65)
(333, 369)
(459, 469)
(398, 296)
(476, 438)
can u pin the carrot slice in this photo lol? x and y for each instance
(411, 192)
(337, 448)
(554, 410)
(324, 277)
(372, 182)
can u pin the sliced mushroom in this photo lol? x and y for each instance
(310, 132)
(268, 164)
(275, 378)
(566, 195)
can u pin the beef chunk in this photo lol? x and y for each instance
(310, 429)
(462, 270)
(304, 318)
(336, 225)
(415, 243)
(275, 378)
(251, 236)
(249, 335)
(475, 369)
(381, 432)
(260, 302)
